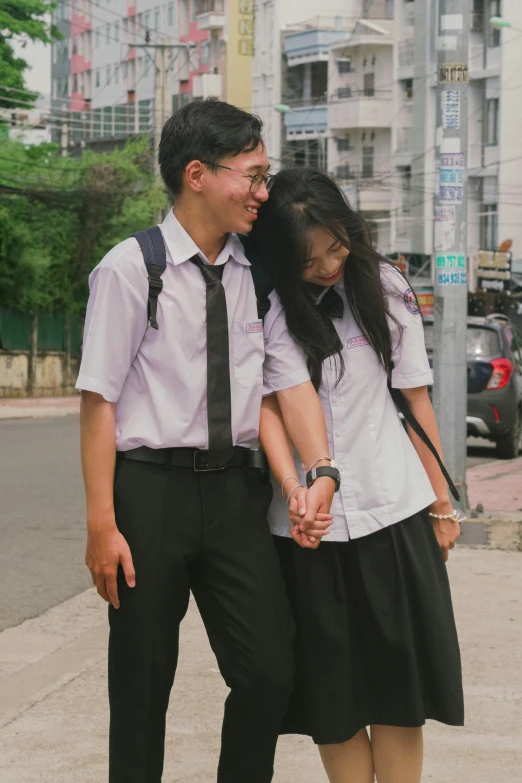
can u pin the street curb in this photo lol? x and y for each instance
(499, 530)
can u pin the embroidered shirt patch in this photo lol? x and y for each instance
(356, 342)
(254, 326)
(411, 302)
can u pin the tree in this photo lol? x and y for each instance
(21, 19)
(59, 216)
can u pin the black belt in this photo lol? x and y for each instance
(197, 459)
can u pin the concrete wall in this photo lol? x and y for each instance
(54, 375)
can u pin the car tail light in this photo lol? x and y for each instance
(501, 375)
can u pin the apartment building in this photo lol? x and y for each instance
(103, 72)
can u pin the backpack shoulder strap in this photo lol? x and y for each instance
(262, 283)
(152, 246)
(402, 404)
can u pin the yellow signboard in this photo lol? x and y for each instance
(240, 52)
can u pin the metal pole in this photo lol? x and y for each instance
(159, 90)
(64, 137)
(450, 237)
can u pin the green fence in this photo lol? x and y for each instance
(15, 332)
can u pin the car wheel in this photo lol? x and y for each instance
(508, 446)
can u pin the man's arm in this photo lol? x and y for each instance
(420, 405)
(304, 421)
(106, 547)
(276, 445)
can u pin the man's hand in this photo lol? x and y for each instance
(446, 530)
(106, 550)
(310, 538)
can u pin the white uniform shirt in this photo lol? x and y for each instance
(158, 378)
(382, 478)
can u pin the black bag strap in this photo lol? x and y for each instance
(262, 283)
(402, 405)
(152, 246)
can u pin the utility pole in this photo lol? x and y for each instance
(64, 135)
(450, 237)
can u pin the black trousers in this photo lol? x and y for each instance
(206, 533)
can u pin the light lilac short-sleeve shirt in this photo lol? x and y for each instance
(158, 378)
(383, 480)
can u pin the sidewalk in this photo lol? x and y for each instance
(38, 407)
(53, 703)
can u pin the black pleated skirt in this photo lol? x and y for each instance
(376, 637)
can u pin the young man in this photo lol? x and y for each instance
(175, 495)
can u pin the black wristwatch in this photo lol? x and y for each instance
(316, 473)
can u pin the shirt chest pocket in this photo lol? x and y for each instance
(248, 352)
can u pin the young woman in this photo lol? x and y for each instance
(377, 648)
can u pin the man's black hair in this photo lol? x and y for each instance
(204, 130)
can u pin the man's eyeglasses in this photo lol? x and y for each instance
(256, 180)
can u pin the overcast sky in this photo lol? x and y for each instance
(38, 75)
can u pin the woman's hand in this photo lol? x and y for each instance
(446, 530)
(310, 538)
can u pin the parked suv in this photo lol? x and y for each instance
(494, 358)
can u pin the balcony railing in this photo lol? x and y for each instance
(406, 54)
(210, 7)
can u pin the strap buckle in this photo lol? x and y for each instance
(155, 286)
(202, 464)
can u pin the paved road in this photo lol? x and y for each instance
(41, 517)
(42, 514)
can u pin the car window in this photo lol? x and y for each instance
(482, 342)
(516, 343)
(479, 342)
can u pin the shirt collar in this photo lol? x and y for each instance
(182, 247)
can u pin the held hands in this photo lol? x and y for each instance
(106, 550)
(446, 530)
(308, 510)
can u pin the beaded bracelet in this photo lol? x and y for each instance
(455, 516)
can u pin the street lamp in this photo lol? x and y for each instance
(498, 23)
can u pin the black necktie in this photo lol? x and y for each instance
(331, 304)
(219, 406)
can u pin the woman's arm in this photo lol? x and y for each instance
(277, 447)
(420, 405)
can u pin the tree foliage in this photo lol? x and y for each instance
(21, 19)
(59, 216)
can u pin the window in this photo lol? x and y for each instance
(494, 34)
(75, 45)
(345, 65)
(343, 144)
(367, 162)
(369, 85)
(97, 78)
(492, 106)
(343, 172)
(205, 52)
(116, 73)
(146, 19)
(108, 33)
(157, 18)
(108, 74)
(116, 31)
(97, 38)
(344, 92)
(490, 227)
(75, 83)
(124, 25)
(171, 14)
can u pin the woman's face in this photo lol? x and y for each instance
(327, 258)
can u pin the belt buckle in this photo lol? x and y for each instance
(201, 463)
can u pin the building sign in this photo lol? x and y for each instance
(453, 73)
(450, 109)
(425, 300)
(493, 270)
(451, 178)
(246, 28)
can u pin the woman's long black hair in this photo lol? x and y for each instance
(300, 200)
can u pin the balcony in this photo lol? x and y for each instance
(361, 111)
(403, 151)
(307, 121)
(406, 57)
(307, 46)
(484, 62)
(365, 194)
(206, 85)
(210, 14)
